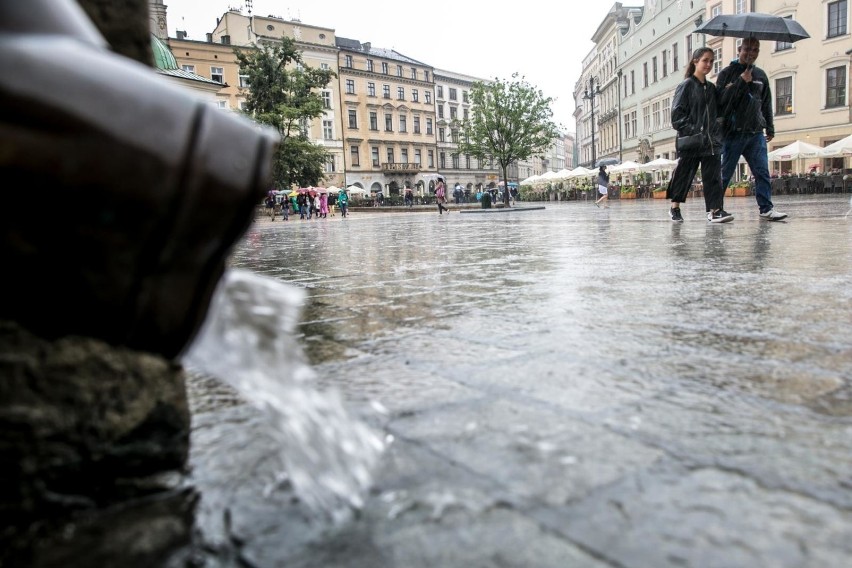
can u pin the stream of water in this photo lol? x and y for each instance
(248, 343)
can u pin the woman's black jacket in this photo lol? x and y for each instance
(691, 99)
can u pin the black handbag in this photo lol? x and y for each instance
(692, 143)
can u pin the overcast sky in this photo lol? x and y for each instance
(533, 37)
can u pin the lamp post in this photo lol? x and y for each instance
(618, 124)
(589, 94)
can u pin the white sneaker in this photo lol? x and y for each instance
(773, 215)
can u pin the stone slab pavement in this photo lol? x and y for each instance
(575, 386)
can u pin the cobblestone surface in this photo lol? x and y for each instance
(578, 386)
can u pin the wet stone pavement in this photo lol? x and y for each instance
(565, 387)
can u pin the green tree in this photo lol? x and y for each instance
(284, 93)
(510, 121)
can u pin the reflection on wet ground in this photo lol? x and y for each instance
(575, 386)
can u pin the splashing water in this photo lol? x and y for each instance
(247, 341)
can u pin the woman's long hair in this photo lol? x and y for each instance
(696, 55)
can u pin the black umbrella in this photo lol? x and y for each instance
(606, 162)
(754, 24)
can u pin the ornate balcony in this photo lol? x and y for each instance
(409, 168)
(607, 116)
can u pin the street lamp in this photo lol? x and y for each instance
(589, 94)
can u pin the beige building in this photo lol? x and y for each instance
(388, 119)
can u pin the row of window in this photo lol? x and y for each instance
(348, 62)
(835, 91)
(386, 91)
(470, 162)
(402, 125)
(453, 94)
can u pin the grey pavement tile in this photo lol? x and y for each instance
(705, 518)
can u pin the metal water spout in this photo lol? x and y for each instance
(123, 194)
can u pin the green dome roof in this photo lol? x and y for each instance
(163, 58)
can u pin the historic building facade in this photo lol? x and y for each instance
(653, 45)
(388, 119)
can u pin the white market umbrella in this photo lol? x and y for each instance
(530, 180)
(795, 151)
(563, 174)
(627, 167)
(842, 147)
(580, 171)
(355, 190)
(659, 164)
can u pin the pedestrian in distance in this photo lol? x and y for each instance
(746, 104)
(440, 196)
(343, 203)
(285, 206)
(323, 205)
(270, 204)
(603, 187)
(302, 200)
(699, 140)
(409, 197)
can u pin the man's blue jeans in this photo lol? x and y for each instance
(753, 148)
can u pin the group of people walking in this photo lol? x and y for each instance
(716, 124)
(306, 205)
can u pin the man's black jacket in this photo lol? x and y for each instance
(746, 107)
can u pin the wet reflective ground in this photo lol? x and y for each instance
(567, 387)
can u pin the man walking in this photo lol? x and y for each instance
(746, 104)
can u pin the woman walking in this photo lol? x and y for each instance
(440, 196)
(699, 140)
(603, 187)
(323, 205)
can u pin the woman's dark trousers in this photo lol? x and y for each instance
(711, 176)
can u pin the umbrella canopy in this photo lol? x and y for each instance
(627, 167)
(293, 193)
(355, 190)
(754, 24)
(794, 151)
(530, 180)
(659, 164)
(606, 162)
(842, 147)
(333, 189)
(580, 171)
(308, 190)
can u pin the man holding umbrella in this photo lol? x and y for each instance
(746, 102)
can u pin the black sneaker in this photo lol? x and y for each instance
(719, 216)
(674, 212)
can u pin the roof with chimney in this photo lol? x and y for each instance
(347, 44)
